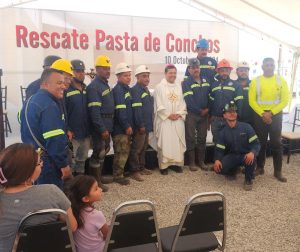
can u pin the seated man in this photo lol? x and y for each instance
(237, 145)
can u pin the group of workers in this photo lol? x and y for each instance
(64, 117)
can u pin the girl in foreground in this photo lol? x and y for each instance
(90, 236)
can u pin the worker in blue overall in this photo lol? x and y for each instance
(143, 111)
(237, 145)
(101, 108)
(42, 125)
(76, 107)
(222, 91)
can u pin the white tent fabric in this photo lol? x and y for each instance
(275, 18)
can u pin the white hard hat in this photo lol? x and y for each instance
(243, 64)
(122, 68)
(141, 69)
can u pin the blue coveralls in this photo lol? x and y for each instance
(196, 97)
(101, 108)
(233, 144)
(143, 109)
(47, 124)
(222, 93)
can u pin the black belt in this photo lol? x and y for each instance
(107, 116)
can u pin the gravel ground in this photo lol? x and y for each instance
(265, 219)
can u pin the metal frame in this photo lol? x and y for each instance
(186, 210)
(125, 205)
(48, 211)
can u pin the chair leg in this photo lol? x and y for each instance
(5, 126)
(8, 124)
(289, 152)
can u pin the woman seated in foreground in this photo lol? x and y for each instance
(20, 166)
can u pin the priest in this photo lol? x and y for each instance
(170, 111)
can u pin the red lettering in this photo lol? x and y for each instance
(156, 44)
(216, 46)
(21, 34)
(110, 44)
(170, 48)
(34, 39)
(55, 44)
(74, 34)
(84, 41)
(118, 40)
(100, 37)
(134, 45)
(44, 38)
(178, 45)
(66, 43)
(194, 43)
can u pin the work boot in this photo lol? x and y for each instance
(191, 160)
(164, 171)
(122, 180)
(106, 179)
(95, 172)
(176, 168)
(248, 185)
(136, 176)
(145, 172)
(204, 167)
(279, 177)
(259, 171)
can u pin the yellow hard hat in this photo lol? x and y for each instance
(103, 60)
(63, 65)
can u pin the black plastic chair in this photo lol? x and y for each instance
(291, 140)
(198, 223)
(133, 231)
(46, 237)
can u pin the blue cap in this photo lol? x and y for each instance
(202, 43)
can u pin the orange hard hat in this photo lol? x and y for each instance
(224, 64)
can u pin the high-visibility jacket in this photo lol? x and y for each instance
(101, 106)
(123, 108)
(47, 124)
(195, 94)
(240, 139)
(222, 93)
(143, 107)
(77, 113)
(208, 68)
(268, 94)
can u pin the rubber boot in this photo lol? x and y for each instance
(201, 157)
(191, 160)
(95, 172)
(277, 162)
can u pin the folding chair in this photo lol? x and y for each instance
(47, 237)
(133, 231)
(198, 223)
(7, 127)
(292, 139)
(23, 94)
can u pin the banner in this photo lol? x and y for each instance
(29, 35)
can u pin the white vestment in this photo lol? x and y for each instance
(170, 135)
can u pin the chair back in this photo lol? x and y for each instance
(296, 118)
(203, 217)
(23, 94)
(47, 237)
(4, 97)
(133, 228)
